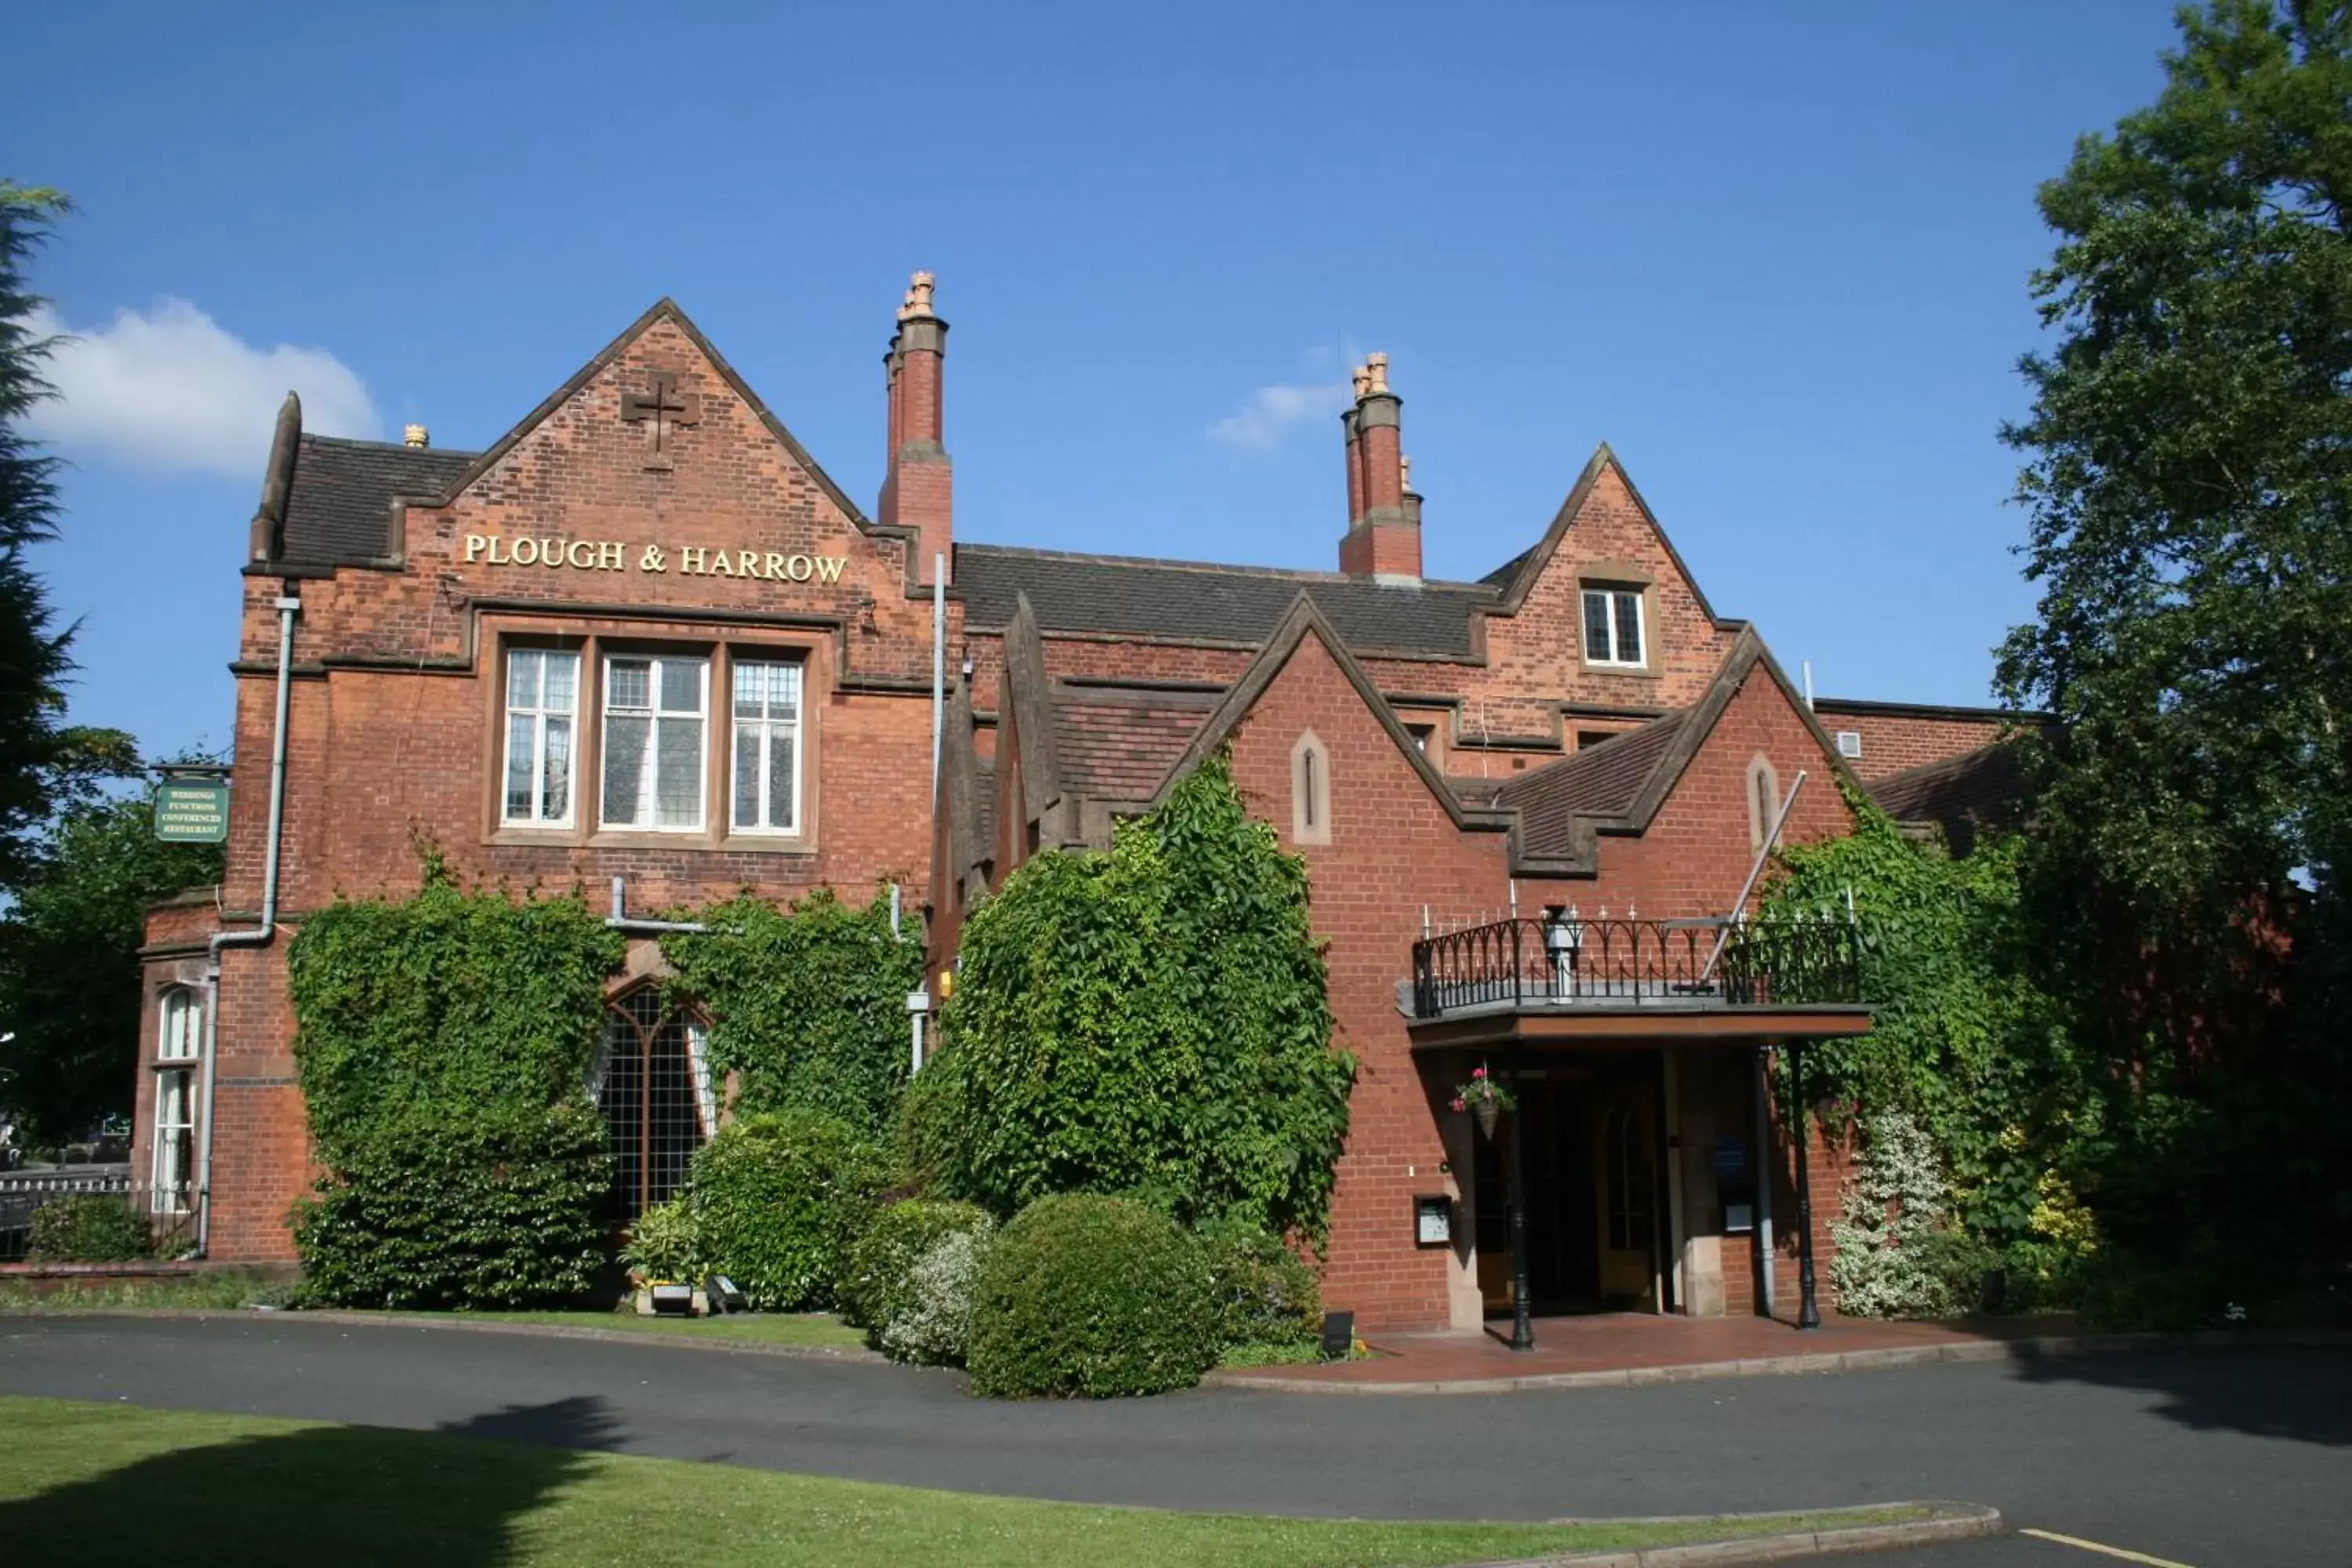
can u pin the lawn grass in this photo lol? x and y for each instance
(209, 1292)
(111, 1483)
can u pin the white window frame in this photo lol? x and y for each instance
(650, 766)
(540, 712)
(168, 1192)
(179, 1025)
(764, 726)
(1849, 743)
(1611, 601)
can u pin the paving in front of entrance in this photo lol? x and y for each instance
(1636, 1347)
(2190, 1455)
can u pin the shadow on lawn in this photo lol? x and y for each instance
(322, 1496)
(2300, 1393)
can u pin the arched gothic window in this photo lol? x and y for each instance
(652, 1082)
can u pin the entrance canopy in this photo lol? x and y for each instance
(1565, 983)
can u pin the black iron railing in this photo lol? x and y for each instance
(1566, 961)
(169, 1211)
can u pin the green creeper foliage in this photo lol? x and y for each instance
(1151, 1020)
(809, 1004)
(1092, 1297)
(2190, 506)
(778, 1198)
(1962, 1041)
(94, 1228)
(444, 1044)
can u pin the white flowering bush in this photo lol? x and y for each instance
(932, 1321)
(1896, 1256)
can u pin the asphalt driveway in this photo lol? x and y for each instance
(2206, 1457)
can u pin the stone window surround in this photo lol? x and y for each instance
(1311, 790)
(1620, 576)
(593, 640)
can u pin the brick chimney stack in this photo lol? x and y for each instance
(917, 477)
(1384, 519)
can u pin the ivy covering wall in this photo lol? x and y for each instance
(443, 1044)
(1150, 1021)
(808, 1005)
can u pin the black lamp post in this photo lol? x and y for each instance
(1563, 937)
(1808, 1308)
(1523, 1328)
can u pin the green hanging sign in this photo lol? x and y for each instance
(191, 811)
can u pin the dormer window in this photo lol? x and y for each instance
(1613, 628)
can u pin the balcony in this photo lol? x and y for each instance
(1565, 977)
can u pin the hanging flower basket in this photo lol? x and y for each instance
(1485, 1099)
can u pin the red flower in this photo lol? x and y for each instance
(1477, 1072)
(1458, 1105)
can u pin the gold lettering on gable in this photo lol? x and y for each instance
(613, 556)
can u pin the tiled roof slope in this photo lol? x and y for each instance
(1601, 780)
(338, 509)
(1983, 788)
(1222, 604)
(1111, 751)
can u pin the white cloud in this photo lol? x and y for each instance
(1270, 412)
(173, 389)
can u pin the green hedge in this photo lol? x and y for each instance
(488, 1211)
(90, 1228)
(808, 1006)
(777, 1200)
(1150, 1020)
(1093, 1296)
(443, 1043)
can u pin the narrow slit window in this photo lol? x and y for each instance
(1310, 791)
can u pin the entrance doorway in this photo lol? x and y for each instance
(1590, 1162)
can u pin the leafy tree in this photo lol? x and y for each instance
(70, 973)
(2190, 481)
(33, 657)
(1150, 1021)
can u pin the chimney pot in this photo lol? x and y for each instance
(415, 436)
(1375, 369)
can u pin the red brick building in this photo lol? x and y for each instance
(645, 642)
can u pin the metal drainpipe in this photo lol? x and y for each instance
(289, 605)
(619, 919)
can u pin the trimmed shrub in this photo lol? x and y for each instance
(777, 1201)
(473, 1211)
(873, 1286)
(91, 1228)
(933, 1324)
(665, 1244)
(1092, 1297)
(1265, 1295)
(1896, 1256)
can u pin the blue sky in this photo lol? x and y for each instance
(1775, 254)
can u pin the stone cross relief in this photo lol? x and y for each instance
(661, 410)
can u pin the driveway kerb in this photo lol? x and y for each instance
(1960, 1521)
(2035, 1349)
(527, 1331)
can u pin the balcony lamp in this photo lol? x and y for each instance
(1563, 935)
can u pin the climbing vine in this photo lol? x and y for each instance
(1150, 1021)
(807, 1005)
(443, 1043)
